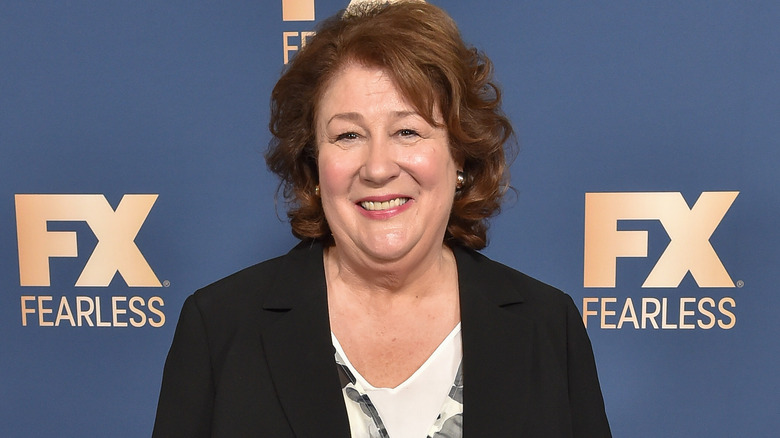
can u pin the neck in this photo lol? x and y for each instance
(406, 277)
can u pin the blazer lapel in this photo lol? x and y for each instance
(298, 347)
(497, 349)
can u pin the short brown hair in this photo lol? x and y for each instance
(419, 46)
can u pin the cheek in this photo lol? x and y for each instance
(431, 169)
(332, 188)
(335, 174)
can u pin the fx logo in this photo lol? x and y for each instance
(689, 230)
(297, 10)
(115, 231)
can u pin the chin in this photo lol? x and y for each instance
(389, 248)
(387, 253)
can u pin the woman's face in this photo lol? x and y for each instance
(387, 178)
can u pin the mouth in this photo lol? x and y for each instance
(383, 205)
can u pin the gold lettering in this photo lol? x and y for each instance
(684, 313)
(298, 10)
(43, 311)
(116, 311)
(732, 318)
(82, 313)
(628, 308)
(586, 312)
(689, 231)
(706, 313)
(286, 46)
(137, 322)
(650, 316)
(26, 310)
(156, 311)
(605, 312)
(63, 312)
(115, 230)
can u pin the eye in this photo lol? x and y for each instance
(408, 133)
(347, 136)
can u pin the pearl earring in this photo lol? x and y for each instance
(461, 179)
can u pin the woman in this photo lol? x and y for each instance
(384, 321)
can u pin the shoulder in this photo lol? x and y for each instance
(248, 283)
(497, 278)
(240, 296)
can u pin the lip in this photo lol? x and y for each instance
(383, 214)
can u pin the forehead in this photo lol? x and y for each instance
(355, 86)
(361, 88)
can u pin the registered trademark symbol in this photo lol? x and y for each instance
(740, 283)
(167, 283)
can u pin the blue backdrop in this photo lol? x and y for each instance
(648, 99)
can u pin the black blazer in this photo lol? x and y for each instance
(252, 357)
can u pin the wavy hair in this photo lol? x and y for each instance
(419, 46)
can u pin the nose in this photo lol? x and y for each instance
(380, 165)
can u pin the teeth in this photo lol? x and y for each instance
(376, 206)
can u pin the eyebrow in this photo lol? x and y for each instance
(355, 117)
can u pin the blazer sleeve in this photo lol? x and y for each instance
(187, 394)
(589, 418)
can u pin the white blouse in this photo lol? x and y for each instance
(424, 405)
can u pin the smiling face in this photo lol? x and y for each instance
(387, 177)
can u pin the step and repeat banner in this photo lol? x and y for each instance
(646, 186)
